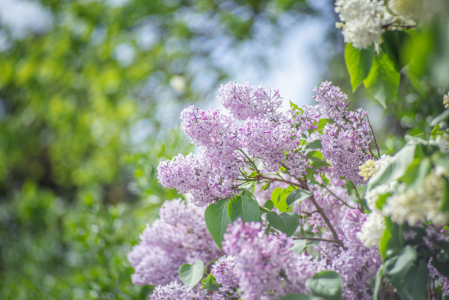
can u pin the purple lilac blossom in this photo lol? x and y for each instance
(224, 272)
(179, 236)
(346, 142)
(356, 264)
(242, 103)
(442, 280)
(177, 291)
(259, 259)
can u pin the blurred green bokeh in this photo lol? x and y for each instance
(76, 189)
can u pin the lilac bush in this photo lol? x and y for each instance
(274, 206)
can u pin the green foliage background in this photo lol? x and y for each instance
(74, 191)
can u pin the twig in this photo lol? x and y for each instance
(336, 196)
(374, 136)
(317, 206)
(314, 239)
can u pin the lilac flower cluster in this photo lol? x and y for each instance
(177, 291)
(179, 236)
(263, 264)
(345, 142)
(442, 280)
(224, 146)
(243, 104)
(356, 264)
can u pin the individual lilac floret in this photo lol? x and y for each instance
(262, 261)
(242, 103)
(179, 236)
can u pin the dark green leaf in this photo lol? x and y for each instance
(243, 207)
(403, 263)
(326, 284)
(414, 283)
(269, 205)
(393, 43)
(358, 63)
(298, 196)
(286, 222)
(217, 220)
(383, 80)
(190, 275)
(211, 284)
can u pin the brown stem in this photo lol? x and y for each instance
(374, 136)
(317, 206)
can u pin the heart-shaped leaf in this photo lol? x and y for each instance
(298, 196)
(217, 220)
(190, 275)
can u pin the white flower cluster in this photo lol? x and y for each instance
(362, 21)
(370, 167)
(446, 101)
(374, 226)
(419, 204)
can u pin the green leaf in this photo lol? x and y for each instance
(190, 275)
(396, 168)
(279, 198)
(211, 284)
(299, 246)
(286, 222)
(315, 166)
(326, 284)
(392, 240)
(435, 129)
(441, 117)
(403, 263)
(315, 155)
(316, 144)
(269, 205)
(378, 282)
(417, 172)
(382, 199)
(266, 186)
(322, 123)
(297, 196)
(243, 207)
(217, 220)
(293, 106)
(445, 204)
(383, 80)
(414, 283)
(298, 297)
(393, 43)
(358, 63)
